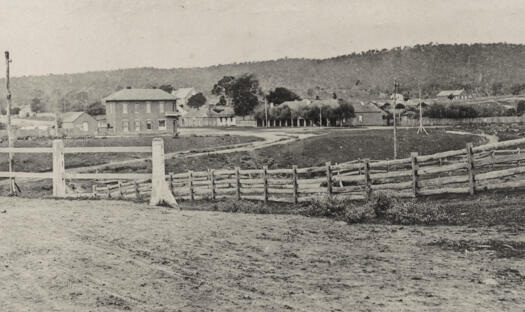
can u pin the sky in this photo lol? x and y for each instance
(69, 36)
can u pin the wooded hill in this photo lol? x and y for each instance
(485, 69)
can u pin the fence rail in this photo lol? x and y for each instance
(465, 171)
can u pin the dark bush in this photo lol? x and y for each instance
(324, 206)
(241, 206)
(380, 203)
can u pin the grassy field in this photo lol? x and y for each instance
(43, 162)
(113, 256)
(335, 146)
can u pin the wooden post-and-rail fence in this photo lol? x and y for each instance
(160, 190)
(464, 171)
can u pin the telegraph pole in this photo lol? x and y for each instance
(421, 128)
(395, 124)
(320, 116)
(265, 112)
(12, 190)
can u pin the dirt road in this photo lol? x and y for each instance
(113, 256)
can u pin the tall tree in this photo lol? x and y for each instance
(244, 93)
(224, 86)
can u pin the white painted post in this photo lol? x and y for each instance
(59, 171)
(160, 190)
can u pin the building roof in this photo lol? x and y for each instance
(451, 92)
(100, 117)
(140, 95)
(366, 108)
(182, 93)
(210, 111)
(71, 116)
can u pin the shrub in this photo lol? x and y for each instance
(380, 203)
(241, 206)
(324, 206)
(358, 213)
(409, 212)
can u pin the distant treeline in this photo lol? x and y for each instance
(483, 69)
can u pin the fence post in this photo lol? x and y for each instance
(415, 167)
(493, 157)
(329, 179)
(238, 182)
(120, 189)
(366, 170)
(94, 191)
(137, 190)
(192, 193)
(212, 183)
(265, 180)
(518, 161)
(160, 190)
(295, 185)
(171, 182)
(108, 191)
(59, 171)
(470, 168)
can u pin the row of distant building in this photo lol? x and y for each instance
(138, 111)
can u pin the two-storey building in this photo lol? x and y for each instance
(141, 111)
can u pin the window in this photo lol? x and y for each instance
(161, 107)
(137, 125)
(137, 108)
(110, 108)
(124, 108)
(85, 126)
(125, 125)
(360, 118)
(148, 107)
(162, 124)
(149, 125)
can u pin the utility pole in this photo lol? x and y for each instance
(12, 190)
(421, 128)
(320, 116)
(266, 112)
(395, 124)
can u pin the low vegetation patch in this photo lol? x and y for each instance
(502, 249)
(482, 210)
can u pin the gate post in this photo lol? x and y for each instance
(59, 171)
(160, 190)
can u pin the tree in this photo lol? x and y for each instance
(345, 110)
(224, 86)
(36, 105)
(280, 95)
(96, 108)
(197, 100)
(222, 100)
(244, 91)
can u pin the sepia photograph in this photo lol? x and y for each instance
(262, 155)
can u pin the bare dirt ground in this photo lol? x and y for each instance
(111, 256)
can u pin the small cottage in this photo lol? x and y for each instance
(78, 124)
(452, 95)
(368, 114)
(209, 115)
